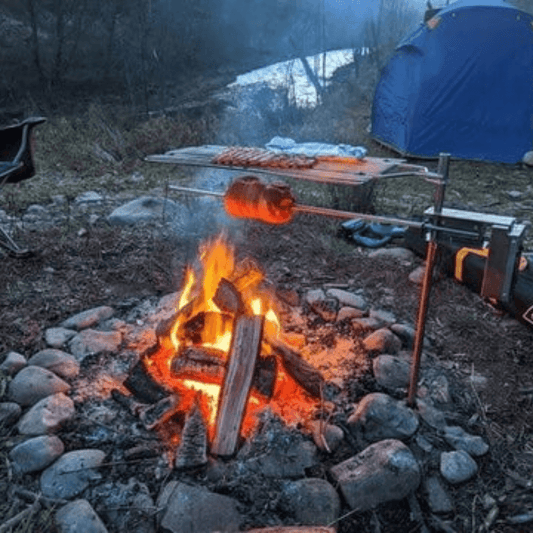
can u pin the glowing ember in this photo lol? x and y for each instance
(215, 291)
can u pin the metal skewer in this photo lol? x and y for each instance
(334, 213)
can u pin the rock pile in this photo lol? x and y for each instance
(390, 452)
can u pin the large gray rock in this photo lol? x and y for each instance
(188, 509)
(34, 383)
(457, 467)
(144, 209)
(78, 516)
(71, 474)
(33, 455)
(93, 342)
(61, 363)
(383, 472)
(89, 318)
(379, 416)
(47, 415)
(391, 372)
(311, 501)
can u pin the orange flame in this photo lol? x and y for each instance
(217, 262)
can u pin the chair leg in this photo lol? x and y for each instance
(11, 246)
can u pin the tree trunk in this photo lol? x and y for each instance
(35, 42)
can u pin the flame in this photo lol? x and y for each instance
(200, 322)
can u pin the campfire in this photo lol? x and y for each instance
(221, 358)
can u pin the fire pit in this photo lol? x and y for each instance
(222, 353)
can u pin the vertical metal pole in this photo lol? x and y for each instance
(443, 169)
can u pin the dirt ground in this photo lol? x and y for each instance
(106, 265)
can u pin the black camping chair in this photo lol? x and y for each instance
(16, 164)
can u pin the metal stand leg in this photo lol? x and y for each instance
(444, 163)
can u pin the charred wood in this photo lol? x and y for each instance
(141, 384)
(307, 376)
(228, 298)
(192, 450)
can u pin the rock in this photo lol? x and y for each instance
(277, 452)
(9, 413)
(13, 363)
(430, 415)
(310, 501)
(366, 323)
(89, 318)
(439, 390)
(385, 471)
(461, 440)
(33, 455)
(34, 383)
(348, 313)
(349, 299)
(71, 474)
(457, 467)
(327, 437)
(396, 252)
(89, 197)
(417, 275)
(125, 507)
(391, 372)
(323, 306)
(378, 416)
(58, 362)
(382, 341)
(437, 497)
(78, 516)
(407, 335)
(47, 415)
(528, 159)
(293, 529)
(144, 209)
(188, 509)
(58, 337)
(289, 462)
(92, 342)
(385, 318)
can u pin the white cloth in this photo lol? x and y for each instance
(290, 146)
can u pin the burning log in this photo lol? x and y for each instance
(195, 359)
(228, 298)
(141, 384)
(308, 377)
(245, 348)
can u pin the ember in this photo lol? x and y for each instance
(225, 335)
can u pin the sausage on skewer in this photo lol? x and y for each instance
(248, 197)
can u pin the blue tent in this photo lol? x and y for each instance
(461, 83)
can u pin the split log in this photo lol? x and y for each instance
(306, 375)
(245, 348)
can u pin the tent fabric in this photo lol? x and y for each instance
(464, 87)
